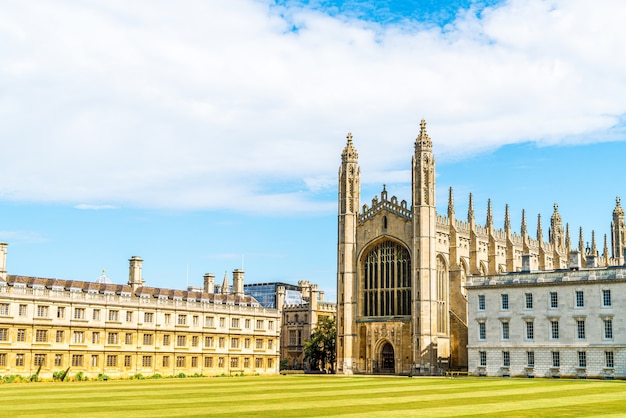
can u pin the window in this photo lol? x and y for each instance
(222, 322)
(270, 325)
(259, 324)
(247, 323)
(580, 329)
(234, 362)
(194, 361)
(529, 300)
(554, 300)
(4, 334)
(246, 343)
(506, 359)
(94, 361)
(4, 308)
(79, 313)
(258, 363)
(166, 361)
(270, 344)
(41, 336)
(608, 359)
(181, 340)
(259, 344)
(112, 338)
(292, 337)
(19, 360)
(111, 360)
(114, 315)
(246, 362)
(208, 362)
(95, 338)
(505, 330)
(505, 302)
(220, 362)
(481, 302)
(194, 341)
(606, 298)
(128, 338)
(196, 320)
(530, 358)
(208, 321)
(168, 319)
(61, 312)
(234, 343)
(129, 316)
(22, 310)
(234, 323)
(42, 311)
(39, 360)
(96, 314)
(78, 337)
(128, 361)
(182, 319)
(580, 299)
(180, 361)
(166, 339)
(608, 329)
(482, 355)
(58, 360)
(60, 336)
(77, 360)
(208, 342)
(21, 335)
(3, 359)
(221, 342)
(147, 339)
(146, 361)
(530, 330)
(148, 317)
(582, 359)
(554, 329)
(556, 359)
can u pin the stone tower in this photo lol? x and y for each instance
(134, 272)
(349, 190)
(618, 232)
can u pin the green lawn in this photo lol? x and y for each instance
(308, 396)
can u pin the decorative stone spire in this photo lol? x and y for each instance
(423, 142)
(524, 229)
(470, 210)
(618, 211)
(581, 241)
(539, 230)
(594, 249)
(555, 233)
(568, 240)
(507, 219)
(489, 223)
(450, 204)
(349, 154)
(225, 287)
(605, 250)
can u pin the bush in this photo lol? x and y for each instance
(181, 375)
(80, 377)
(137, 376)
(156, 376)
(103, 377)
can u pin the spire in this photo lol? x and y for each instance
(470, 210)
(349, 154)
(489, 215)
(618, 211)
(568, 240)
(539, 230)
(450, 204)
(594, 249)
(605, 250)
(423, 142)
(581, 242)
(507, 219)
(225, 286)
(524, 230)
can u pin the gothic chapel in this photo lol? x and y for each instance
(401, 269)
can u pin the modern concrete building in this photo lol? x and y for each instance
(563, 323)
(124, 330)
(402, 268)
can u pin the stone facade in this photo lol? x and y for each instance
(401, 268)
(124, 330)
(568, 323)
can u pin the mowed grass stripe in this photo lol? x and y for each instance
(300, 396)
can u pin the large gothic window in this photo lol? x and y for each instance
(442, 295)
(387, 280)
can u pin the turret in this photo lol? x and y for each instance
(134, 272)
(618, 232)
(238, 282)
(209, 283)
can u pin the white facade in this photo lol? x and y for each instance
(568, 323)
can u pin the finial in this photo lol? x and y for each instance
(524, 230)
(507, 218)
(470, 209)
(556, 207)
(349, 153)
(423, 140)
(450, 203)
(539, 229)
(489, 214)
(594, 249)
(349, 137)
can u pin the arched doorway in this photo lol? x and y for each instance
(387, 359)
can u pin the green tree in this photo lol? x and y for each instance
(320, 349)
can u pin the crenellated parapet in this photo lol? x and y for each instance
(400, 209)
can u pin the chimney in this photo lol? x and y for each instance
(574, 260)
(280, 298)
(238, 282)
(3, 261)
(209, 283)
(314, 297)
(134, 274)
(321, 296)
(525, 263)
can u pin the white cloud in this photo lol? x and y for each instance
(216, 104)
(86, 206)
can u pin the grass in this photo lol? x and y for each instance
(313, 396)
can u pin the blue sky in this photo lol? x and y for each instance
(203, 136)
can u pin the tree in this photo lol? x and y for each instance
(320, 349)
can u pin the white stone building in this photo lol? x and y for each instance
(563, 323)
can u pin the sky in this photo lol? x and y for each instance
(206, 136)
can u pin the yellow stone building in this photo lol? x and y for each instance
(401, 302)
(124, 330)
